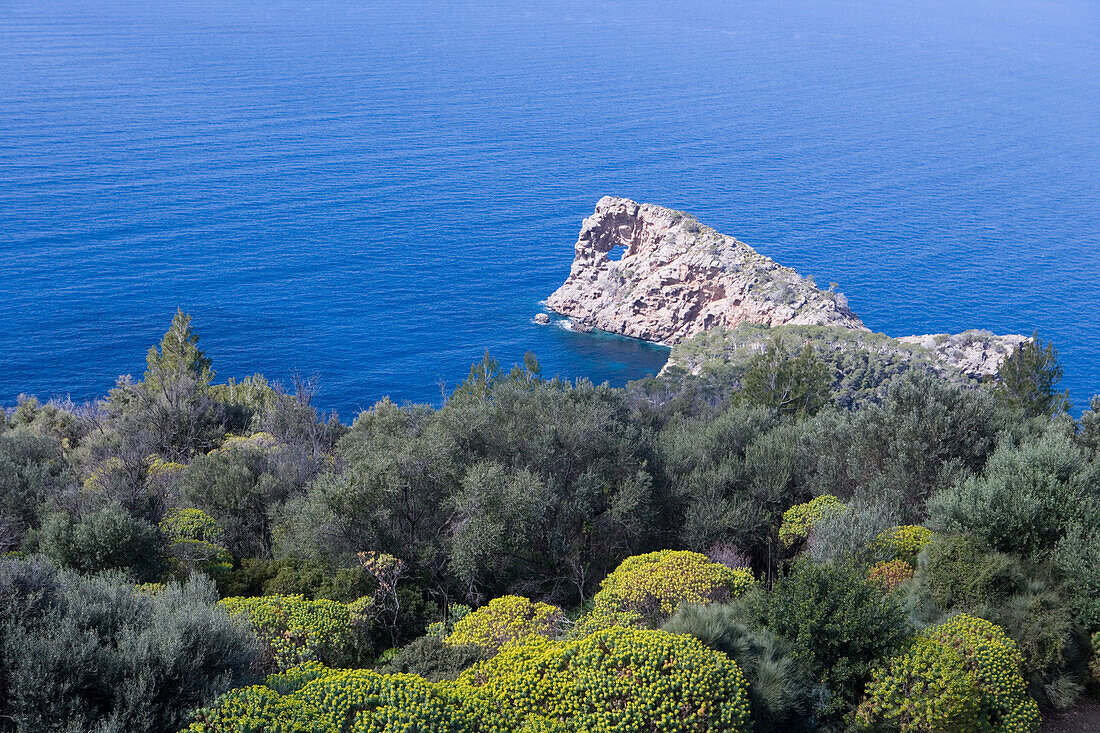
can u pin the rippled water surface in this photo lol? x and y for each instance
(375, 192)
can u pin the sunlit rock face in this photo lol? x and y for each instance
(676, 277)
(657, 274)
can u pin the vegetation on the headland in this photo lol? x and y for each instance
(796, 547)
(853, 367)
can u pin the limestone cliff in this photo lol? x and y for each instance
(677, 277)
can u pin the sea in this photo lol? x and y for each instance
(371, 194)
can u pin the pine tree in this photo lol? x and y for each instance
(178, 358)
(1028, 379)
(793, 385)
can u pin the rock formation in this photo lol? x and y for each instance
(975, 353)
(676, 278)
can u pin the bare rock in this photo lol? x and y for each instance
(677, 277)
(542, 319)
(975, 353)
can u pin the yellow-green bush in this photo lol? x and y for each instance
(265, 441)
(891, 573)
(904, 542)
(158, 468)
(506, 620)
(616, 681)
(296, 630)
(647, 589)
(347, 701)
(195, 542)
(192, 524)
(800, 518)
(962, 676)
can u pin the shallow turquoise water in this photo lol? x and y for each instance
(376, 192)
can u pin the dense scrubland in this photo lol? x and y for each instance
(783, 546)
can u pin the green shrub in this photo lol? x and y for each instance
(1077, 557)
(435, 660)
(850, 534)
(109, 539)
(296, 630)
(617, 681)
(1026, 498)
(780, 691)
(80, 653)
(839, 625)
(962, 676)
(927, 689)
(800, 518)
(504, 621)
(961, 572)
(1094, 661)
(319, 700)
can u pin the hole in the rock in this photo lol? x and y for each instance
(617, 253)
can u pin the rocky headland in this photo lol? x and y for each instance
(657, 274)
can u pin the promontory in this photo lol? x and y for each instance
(657, 274)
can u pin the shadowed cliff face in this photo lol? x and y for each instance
(656, 274)
(677, 277)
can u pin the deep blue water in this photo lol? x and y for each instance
(374, 192)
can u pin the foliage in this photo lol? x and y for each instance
(839, 625)
(242, 486)
(617, 680)
(1028, 378)
(504, 621)
(730, 476)
(780, 692)
(588, 499)
(926, 689)
(649, 588)
(295, 630)
(962, 572)
(435, 660)
(961, 676)
(799, 520)
(1026, 497)
(97, 653)
(926, 435)
(1077, 557)
(522, 486)
(171, 411)
(850, 534)
(792, 385)
(890, 574)
(108, 539)
(33, 471)
(904, 542)
(320, 700)
(862, 366)
(194, 542)
(1094, 660)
